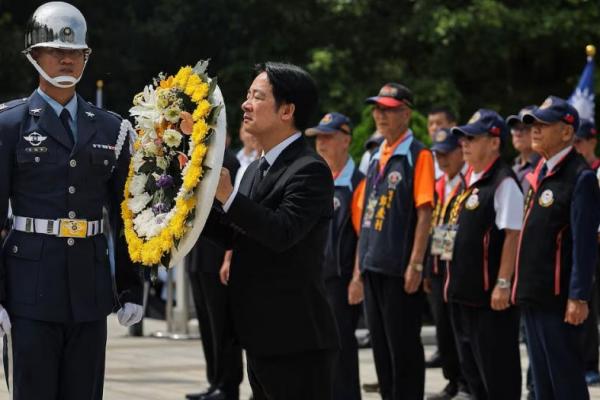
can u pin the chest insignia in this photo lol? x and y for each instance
(546, 198)
(393, 179)
(336, 203)
(35, 139)
(103, 146)
(472, 202)
(35, 111)
(90, 114)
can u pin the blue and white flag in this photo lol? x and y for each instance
(583, 95)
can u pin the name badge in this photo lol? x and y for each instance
(449, 241)
(437, 240)
(72, 228)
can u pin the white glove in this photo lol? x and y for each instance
(4, 322)
(129, 314)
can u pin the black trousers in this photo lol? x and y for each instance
(590, 333)
(57, 361)
(223, 355)
(555, 354)
(346, 381)
(444, 333)
(488, 347)
(301, 376)
(394, 319)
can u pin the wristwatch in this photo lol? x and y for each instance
(503, 283)
(417, 267)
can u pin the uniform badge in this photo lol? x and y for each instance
(35, 139)
(36, 150)
(546, 198)
(388, 91)
(336, 203)
(441, 136)
(393, 179)
(546, 104)
(472, 202)
(35, 111)
(475, 118)
(103, 146)
(369, 212)
(90, 114)
(326, 119)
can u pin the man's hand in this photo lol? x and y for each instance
(500, 299)
(4, 322)
(412, 280)
(224, 189)
(577, 312)
(356, 291)
(130, 314)
(224, 271)
(427, 285)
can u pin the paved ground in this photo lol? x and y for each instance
(162, 369)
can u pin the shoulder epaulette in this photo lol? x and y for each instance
(12, 104)
(114, 114)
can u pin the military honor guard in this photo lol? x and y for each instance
(481, 243)
(398, 202)
(557, 253)
(342, 280)
(448, 152)
(62, 161)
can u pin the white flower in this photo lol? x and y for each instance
(162, 163)
(138, 184)
(138, 160)
(140, 223)
(172, 138)
(138, 203)
(172, 114)
(150, 148)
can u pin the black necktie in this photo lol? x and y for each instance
(65, 117)
(542, 174)
(263, 165)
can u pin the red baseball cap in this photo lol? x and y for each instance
(392, 95)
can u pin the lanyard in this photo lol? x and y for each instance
(457, 206)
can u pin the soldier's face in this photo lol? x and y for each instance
(261, 113)
(60, 62)
(549, 139)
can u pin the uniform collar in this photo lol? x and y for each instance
(71, 106)
(402, 149)
(345, 177)
(555, 159)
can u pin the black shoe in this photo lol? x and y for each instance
(371, 387)
(435, 361)
(216, 395)
(201, 395)
(446, 394)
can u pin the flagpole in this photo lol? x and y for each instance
(590, 50)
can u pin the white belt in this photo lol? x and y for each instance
(63, 227)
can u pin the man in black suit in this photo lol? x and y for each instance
(276, 224)
(223, 356)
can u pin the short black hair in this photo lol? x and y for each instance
(450, 116)
(292, 85)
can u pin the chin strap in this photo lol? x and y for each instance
(58, 81)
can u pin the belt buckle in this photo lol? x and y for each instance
(72, 228)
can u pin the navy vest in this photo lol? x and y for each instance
(389, 214)
(340, 250)
(545, 250)
(477, 253)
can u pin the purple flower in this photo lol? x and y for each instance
(159, 208)
(164, 181)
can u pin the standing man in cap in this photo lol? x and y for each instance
(61, 162)
(342, 281)
(393, 240)
(481, 243)
(585, 143)
(558, 252)
(527, 159)
(452, 183)
(276, 222)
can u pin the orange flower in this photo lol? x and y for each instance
(183, 160)
(167, 83)
(187, 123)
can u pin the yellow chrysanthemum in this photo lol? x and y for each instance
(193, 82)
(200, 92)
(182, 77)
(201, 110)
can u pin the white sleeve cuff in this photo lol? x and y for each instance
(229, 201)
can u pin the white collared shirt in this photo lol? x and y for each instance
(271, 156)
(551, 163)
(451, 184)
(508, 203)
(71, 107)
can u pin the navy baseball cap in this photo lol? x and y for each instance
(392, 95)
(518, 119)
(587, 129)
(331, 123)
(553, 109)
(444, 141)
(483, 122)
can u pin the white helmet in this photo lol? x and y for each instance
(57, 25)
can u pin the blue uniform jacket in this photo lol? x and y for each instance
(45, 277)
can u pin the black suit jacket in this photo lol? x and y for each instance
(277, 293)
